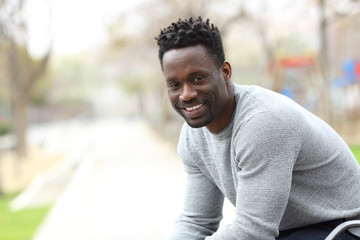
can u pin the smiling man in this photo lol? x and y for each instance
(200, 89)
(289, 174)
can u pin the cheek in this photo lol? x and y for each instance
(172, 97)
(221, 89)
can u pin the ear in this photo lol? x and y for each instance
(226, 69)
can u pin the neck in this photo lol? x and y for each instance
(228, 113)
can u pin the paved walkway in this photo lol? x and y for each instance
(129, 186)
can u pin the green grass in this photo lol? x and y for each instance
(356, 151)
(20, 225)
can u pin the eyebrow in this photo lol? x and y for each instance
(196, 73)
(170, 79)
(192, 74)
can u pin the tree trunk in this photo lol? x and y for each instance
(324, 61)
(20, 123)
(18, 100)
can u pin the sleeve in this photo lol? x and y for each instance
(266, 151)
(203, 203)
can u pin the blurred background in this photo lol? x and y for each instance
(87, 136)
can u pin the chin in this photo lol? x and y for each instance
(197, 124)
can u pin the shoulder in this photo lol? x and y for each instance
(263, 115)
(252, 95)
(263, 106)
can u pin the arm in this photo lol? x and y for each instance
(266, 150)
(202, 210)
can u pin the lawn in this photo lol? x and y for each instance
(356, 151)
(20, 225)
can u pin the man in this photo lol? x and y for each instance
(289, 175)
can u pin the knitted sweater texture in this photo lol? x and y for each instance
(279, 165)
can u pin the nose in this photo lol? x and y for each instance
(187, 93)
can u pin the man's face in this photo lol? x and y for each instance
(198, 89)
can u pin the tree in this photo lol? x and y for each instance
(23, 70)
(329, 13)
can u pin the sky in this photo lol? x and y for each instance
(71, 25)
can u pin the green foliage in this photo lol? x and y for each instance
(40, 90)
(5, 128)
(118, 36)
(73, 79)
(356, 151)
(20, 225)
(293, 44)
(138, 83)
(132, 85)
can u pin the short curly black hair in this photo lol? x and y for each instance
(189, 32)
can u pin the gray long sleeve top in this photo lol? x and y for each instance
(278, 164)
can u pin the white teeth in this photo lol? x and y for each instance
(193, 108)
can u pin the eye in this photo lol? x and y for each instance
(173, 86)
(198, 79)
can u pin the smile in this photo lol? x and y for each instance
(189, 109)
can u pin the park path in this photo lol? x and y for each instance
(128, 186)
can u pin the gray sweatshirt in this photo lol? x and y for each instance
(278, 164)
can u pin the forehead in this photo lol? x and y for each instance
(187, 57)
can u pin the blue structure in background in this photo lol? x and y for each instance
(288, 92)
(351, 74)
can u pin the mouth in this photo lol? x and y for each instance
(193, 108)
